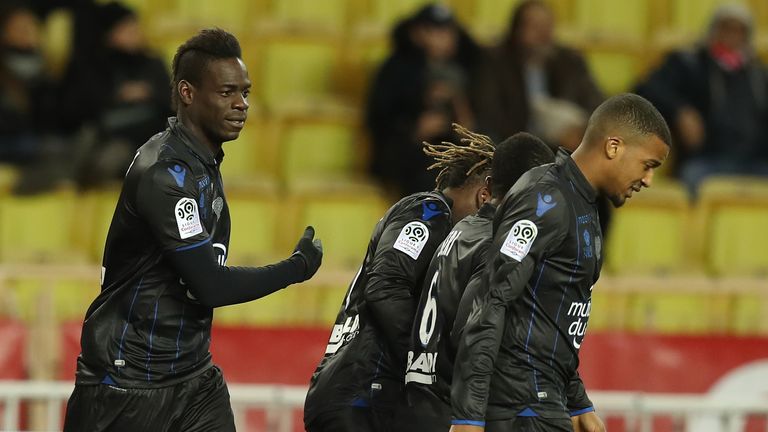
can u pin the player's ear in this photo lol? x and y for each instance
(186, 92)
(483, 194)
(613, 146)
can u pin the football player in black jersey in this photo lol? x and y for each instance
(145, 363)
(519, 350)
(359, 380)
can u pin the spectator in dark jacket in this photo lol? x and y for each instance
(529, 82)
(117, 96)
(25, 91)
(417, 93)
(715, 97)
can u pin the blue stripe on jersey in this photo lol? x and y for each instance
(468, 422)
(570, 279)
(530, 325)
(192, 246)
(181, 326)
(528, 412)
(151, 334)
(127, 320)
(582, 411)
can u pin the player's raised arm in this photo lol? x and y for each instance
(526, 229)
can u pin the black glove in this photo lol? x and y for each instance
(310, 251)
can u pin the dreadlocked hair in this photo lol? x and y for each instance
(458, 163)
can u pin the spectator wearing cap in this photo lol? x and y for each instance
(417, 93)
(115, 96)
(715, 97)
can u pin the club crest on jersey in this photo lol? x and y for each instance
(412, 239)
(519, 240)
(218, 206)
(188, 218)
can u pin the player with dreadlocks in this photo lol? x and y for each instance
(359, 380)
(459, 259)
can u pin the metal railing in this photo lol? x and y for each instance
(279, 404)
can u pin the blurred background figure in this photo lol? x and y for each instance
(416, 95)
(117, 95)
(25, 91)
(715, 97)
(529, 82)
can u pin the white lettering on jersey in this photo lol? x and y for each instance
(188, 218)
(519, 240)
(342, 333)
(422, 369)
(412, 239)
(578, 328)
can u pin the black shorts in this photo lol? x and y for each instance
(530, 424)
(422, 411)
(353, 419)
(200, 404)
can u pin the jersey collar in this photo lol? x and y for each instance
(202, 152)
(487, 211)
(575, 175)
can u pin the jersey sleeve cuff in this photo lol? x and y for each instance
(468, 422)
(582, 411)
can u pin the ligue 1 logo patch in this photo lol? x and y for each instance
(188, 218)
(412, 239)
(519, 240)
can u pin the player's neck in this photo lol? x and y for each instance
(198, 134)
(589, 166)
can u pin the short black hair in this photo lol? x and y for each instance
(631, 111)
(193, 56)
(513, 157)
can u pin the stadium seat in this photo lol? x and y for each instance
(386, 13)
(8, 175)
(297, 72)
(678, 312)
(38, 228)
(253, 155)
(67, 298)
(649, 234)
(691, 17)
(94, 216)
(257, 229)
(613, 21)
(732, 214)
(319, 150)
(343, 221)
(311, 14)
(233, 15)
(490, 18)
(615, 69)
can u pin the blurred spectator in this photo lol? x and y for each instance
(715, 97)
(529, 82)
(418, 92)
(115, 96)
(25, 91)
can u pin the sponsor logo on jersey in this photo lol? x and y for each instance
(343, 333)
(422, 369)
(545, 204)
(577, 328)
(178, 172)
(412, 239)
(519, 240)
(188, 218)
(430, 210)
